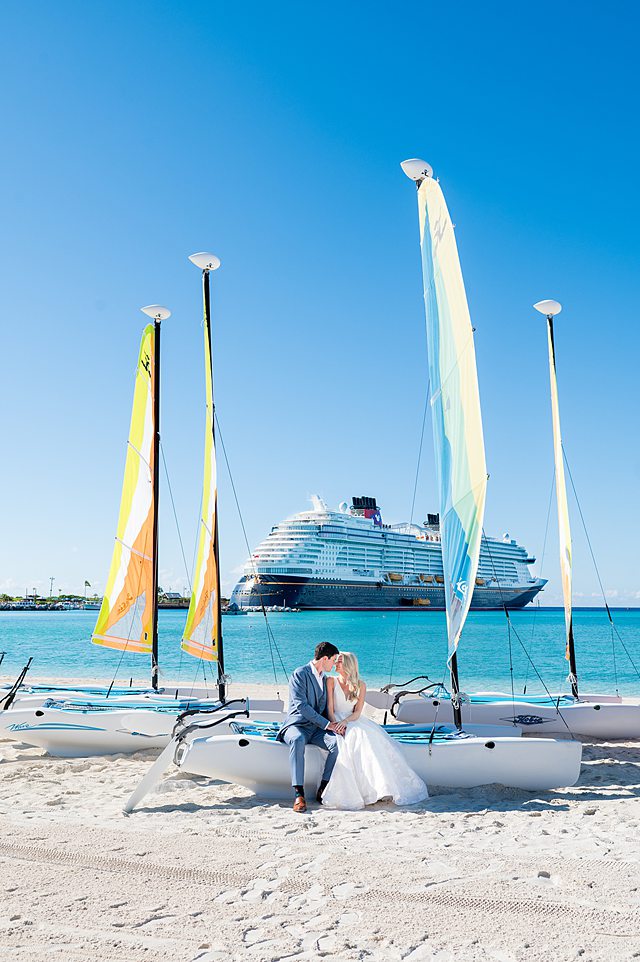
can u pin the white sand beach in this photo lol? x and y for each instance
(205, 871)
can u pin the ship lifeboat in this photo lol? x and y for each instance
(480, 581)
(439, 579)
(394, 576)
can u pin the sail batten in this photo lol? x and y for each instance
(201, 635)
(455, 405)
(125, 621)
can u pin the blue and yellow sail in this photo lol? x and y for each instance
(202, 630)
(125, 621)
(455, 405)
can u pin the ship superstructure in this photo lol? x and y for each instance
(350, 559)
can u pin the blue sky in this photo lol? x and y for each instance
(135, 134)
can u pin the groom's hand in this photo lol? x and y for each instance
(338, 727)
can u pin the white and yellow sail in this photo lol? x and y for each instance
(126, 616)
(202, 631)
(455, 406)
(564, 529)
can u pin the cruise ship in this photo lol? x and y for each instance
(350, 560)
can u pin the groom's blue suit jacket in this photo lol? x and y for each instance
(307, 704)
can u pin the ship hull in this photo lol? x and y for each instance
(322, 595)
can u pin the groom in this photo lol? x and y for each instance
(307, 722)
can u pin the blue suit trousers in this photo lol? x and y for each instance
(297, 737)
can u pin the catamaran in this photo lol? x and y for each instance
(249, 753)
(128, 617)
(74, 724)
(595, 715)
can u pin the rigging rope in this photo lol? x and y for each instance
(593, 558)
(184, 559)
(544, 549)
(201, 662)
(270, 636)
(504, 607)
(413, 504)
(532, 663)
(524, 648)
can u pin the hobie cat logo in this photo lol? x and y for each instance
(19, 727)
(525, 720)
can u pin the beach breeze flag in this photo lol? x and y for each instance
(202, 630)
(564, 529)
(455, 405)
(125, 619)
(87, 585)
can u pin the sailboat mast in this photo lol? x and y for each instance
(563, 512)
(156, 489)
(207, 319)
(456, 707)
(202, 635)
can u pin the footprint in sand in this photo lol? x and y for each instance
(311, 897)
(251, 936)
(225, 897)
(321, 942)
(260, 888)
(346, 890)
(315, 865)
(424, 954)
(318, 923)
(349, 918)
(151, 921)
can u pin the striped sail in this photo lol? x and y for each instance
(564, 529)
(455, 405)
(202, 630)
(126, 615)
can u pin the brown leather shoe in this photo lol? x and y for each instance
(300, 804)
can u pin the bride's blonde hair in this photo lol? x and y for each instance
(350, 671)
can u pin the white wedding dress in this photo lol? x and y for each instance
(369, 765)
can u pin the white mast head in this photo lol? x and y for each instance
(548, 308)
(156, 311)
(205, 261)
(417, 169)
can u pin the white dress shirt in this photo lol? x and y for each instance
(318, 675)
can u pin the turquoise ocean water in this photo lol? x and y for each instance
(415, 641)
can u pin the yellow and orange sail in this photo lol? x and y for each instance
(125, 621)
(202, 631)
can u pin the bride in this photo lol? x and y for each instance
(369, 765)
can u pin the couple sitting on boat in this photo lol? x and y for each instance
(363, 764)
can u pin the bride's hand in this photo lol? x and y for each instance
(338, 727)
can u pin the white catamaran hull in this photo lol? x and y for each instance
(262, 765)
(27, 697)
(594, 716)
(69, 733)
